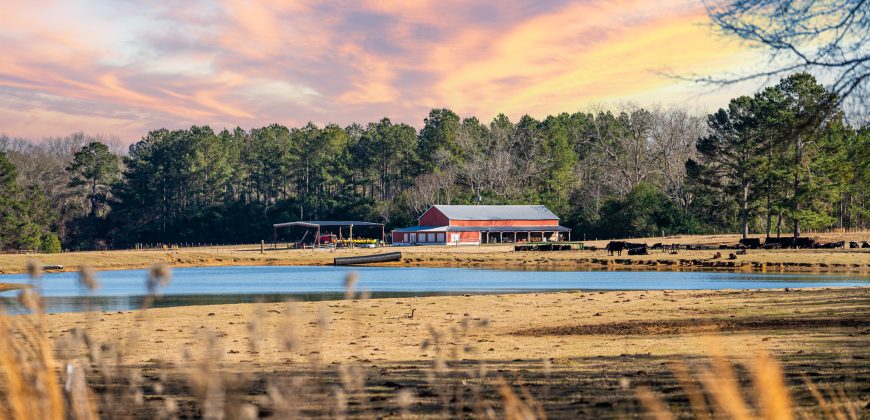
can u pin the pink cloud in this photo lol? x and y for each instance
(115, 68)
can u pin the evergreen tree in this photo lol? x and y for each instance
(795, 110)
(437, 142)
(730, 155)
(95, 168)
(19, 229)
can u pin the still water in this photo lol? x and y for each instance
(124, 290)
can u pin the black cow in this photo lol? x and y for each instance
(618, 246)
(777, 242)
(640, 250)
(832, 245)
(615, 246)
(791, 242)
(804, 243)
(865, 245)
(854, 244)
(751, 243)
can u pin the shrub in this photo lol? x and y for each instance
(50, 243)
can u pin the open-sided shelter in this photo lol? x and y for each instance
(318, 225)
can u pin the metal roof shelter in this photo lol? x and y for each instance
(497, 212)
(317, 224)
(478, 224)
(483, 229)
(327, 223)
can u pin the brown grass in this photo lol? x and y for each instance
(456, 357)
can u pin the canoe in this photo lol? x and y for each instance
(368, 259)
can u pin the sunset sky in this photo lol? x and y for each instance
(118, 67)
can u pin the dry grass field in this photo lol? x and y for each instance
(557, 355)
(838, 260)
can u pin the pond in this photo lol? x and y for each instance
(125, 289)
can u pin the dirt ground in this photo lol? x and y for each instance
(579, 354)
(821, 260)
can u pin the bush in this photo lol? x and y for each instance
(50, 243)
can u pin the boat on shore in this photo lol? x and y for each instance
(368, 259)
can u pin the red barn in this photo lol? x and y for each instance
(473, 225)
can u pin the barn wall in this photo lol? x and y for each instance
(433, 217)
(503, 223)
(469, 236)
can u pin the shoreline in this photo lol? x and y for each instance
(6, 287)
(853, 261)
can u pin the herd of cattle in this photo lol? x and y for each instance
(749, 243)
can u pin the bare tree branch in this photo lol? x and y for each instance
(826, 37)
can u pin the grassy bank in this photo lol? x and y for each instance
(837, 260)
(563, 354)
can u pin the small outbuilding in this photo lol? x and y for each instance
(477, 224)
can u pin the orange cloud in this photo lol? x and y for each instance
(120, 70)
(373, 82)
(574, 56)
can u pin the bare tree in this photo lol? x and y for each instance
(674, 134)
(825, 37)
(429, 189)
(490, 167)
(625, 142)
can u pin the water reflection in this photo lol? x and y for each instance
(124, 290)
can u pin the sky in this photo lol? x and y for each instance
(122, 67)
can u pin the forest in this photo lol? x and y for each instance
(779, 162)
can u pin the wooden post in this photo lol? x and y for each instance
(317, 240)
(383, 236)
(351, 236)
(262, 246)
(515, 237)
(501, 237)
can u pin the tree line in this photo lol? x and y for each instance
(777, 162)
